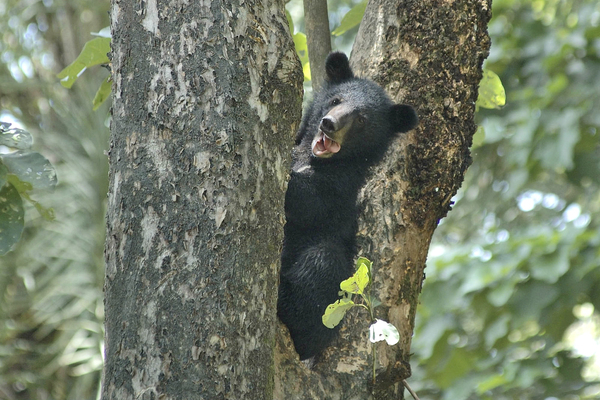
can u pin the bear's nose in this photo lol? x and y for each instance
(329, 124)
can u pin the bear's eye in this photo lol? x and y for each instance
(361, 119)
(335, 102)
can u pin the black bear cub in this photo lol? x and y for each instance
(347, 129)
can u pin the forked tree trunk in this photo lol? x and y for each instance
(427, 53)
(207, 97)
(206, 100)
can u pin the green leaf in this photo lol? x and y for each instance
(300, 43)
(11, 217)
(103, 93)
(356, 283)
(22, 187)
(302, 51)
(336, 311)
(290, 21)
(94, 53)
(14, 137)
(491, 91)
(306, 72)
(31, 167)
(364, 261)
(351, 19)
(478, 138)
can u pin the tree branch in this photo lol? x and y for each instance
(318, 39)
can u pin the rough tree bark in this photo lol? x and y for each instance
(206, 99)
(427, 53)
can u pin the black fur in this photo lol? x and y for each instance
(320, 204)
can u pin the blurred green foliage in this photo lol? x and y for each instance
(21, 171)
(499, 316)
(51, 310)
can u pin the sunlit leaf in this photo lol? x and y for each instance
(94, 53)
(11, 217)
(356, 283)
(336, 311)
(351, 19)
(491, 91)
(306, 72)
(103, 93)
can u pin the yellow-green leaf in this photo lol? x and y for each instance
(351, 19)
(306, 72)
(356, 283)
(102, 93)
(290, 21)
(491, 91)
(94, 53)
(335, 312)
(301, 46)
(363, 260)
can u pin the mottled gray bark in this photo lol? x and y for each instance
(318, 39)
(206, 100)
(427, 53)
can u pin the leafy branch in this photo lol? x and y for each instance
(95, 52)
(357, 284)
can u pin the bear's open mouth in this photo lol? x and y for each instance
(324, 146)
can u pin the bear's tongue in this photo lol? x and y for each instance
(325, 145)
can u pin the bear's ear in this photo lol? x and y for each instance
(403, 118)
(338, 68)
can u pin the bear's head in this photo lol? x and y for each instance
(354, 118)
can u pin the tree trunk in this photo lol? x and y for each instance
(206, 100)
(427, 53)
(318, 39)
